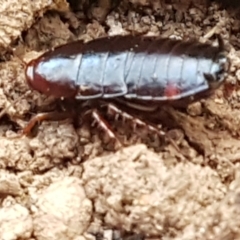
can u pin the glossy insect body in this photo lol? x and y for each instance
(141, 68)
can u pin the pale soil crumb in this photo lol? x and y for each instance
(64, 184)
(9, 184)
(153, 199)
(22, 152)
(224, 223)
(15, 222)
(61, 211)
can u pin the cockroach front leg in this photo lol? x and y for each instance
(48, 116)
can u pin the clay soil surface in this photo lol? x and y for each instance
(68, 182)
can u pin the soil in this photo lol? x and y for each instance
(72, 182)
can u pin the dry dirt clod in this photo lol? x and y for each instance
(135, 191)
(61, 211)
(9, 185)
(19, 16)
(15, 222)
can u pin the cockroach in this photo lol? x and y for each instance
(149, 70)
(133, 67)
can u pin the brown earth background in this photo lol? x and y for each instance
(65, 183)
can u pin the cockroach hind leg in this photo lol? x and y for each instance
(104, 126)
(112, 109)
(173, 142)
(138, 122)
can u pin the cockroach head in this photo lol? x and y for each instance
(219, 71)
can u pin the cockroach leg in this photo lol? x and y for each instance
(139, 107)
(221, 44)
(210, 33)
(138, 122)
(40, 117)
(103, 125)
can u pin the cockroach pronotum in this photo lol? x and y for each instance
(129, 68)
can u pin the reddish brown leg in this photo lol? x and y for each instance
(53, 116)
(112, 109)
(104, 126)
(58, 116)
